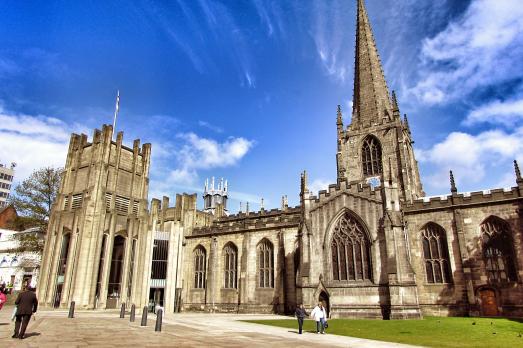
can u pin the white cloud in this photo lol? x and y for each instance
(506, 112)
(210, 126)
(318, 185)
(32, 142)
(202, 153)
(479, 49)
(473, 158)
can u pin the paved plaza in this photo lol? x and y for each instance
(106, 329)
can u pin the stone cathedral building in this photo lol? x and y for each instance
(371, 246)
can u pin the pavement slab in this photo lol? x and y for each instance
(51, 328)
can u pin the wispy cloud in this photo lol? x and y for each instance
(319, 184)
(210, 126)
(32, 141)
(507, 112)
(477, 50)
(332, 42)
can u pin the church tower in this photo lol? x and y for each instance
(215, 196)
(377, 146)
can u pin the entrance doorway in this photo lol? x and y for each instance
(324, 299)
(489, 307)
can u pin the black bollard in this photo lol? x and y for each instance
(122, 310)
(159, 315)
(144, 317)
(71, 310)
(133, 309)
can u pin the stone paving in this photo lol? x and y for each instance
(106, 329)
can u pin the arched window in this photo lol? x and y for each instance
(230, 264)
(199, 267)
(350, 250)
(497, 250)
(371, 156)
(266, 264)
(436, 254)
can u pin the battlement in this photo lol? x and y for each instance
(463, 199)
(357, 189)
(263, 219)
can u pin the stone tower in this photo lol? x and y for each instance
(377, 146)
(214, 196)
(96, 227)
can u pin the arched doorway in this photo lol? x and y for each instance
(324, 299)
(489, 306)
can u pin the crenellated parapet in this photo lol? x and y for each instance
(252, 221)
(463, 199)
(364, 191)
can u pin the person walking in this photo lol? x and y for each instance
(3, 296)
(27, 304)
(324, 323)
(300, 314)
(317, 314)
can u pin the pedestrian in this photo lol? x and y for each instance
(317, 314)
(324, 323)
(301, 313)
(3, 296)
(27, 304)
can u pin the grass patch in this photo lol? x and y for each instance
(429, 332)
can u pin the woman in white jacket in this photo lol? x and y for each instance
(318, 314)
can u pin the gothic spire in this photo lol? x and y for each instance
(395, 107)
(453, 187)
(518, 172)
(406, 123)
(339, 117)
(371, 100)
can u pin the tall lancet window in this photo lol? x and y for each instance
(435, 252)
(350, 249)
(199, 267)
(498, 250)
(371, 156)
(230, 263)
(265, 264)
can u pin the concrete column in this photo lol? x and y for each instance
(68, 278)
(107, 263)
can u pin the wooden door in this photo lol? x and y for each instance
(489, 307)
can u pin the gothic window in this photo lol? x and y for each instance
(350, 251)
(230, 263)
(266, 264)
(497, 251)
(199, 267)
(371, 156)
(435, 253)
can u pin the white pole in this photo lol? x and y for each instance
(116, 111)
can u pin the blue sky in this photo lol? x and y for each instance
(248, 90)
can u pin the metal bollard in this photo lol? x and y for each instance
(144, 317)
(122, 310)
(133, 309)
(71, 310)
(159, 316)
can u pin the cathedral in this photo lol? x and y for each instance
(370, 246)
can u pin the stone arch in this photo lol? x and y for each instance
(330, 227)
(434, 245)
(497, 247)
(349, 250)
(265, 263)
(199, 266)
(230, 265)
(371, 156)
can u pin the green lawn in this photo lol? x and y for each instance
(430, 332)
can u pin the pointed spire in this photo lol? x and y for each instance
(339, 117)
(453, 188)
(371, 100)
(395, 107)
(262, 205)
(518, 172)
(406, 123)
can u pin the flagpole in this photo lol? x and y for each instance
(117, 108)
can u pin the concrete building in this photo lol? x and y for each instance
(6, 182)
(18, 268)
(371, 246)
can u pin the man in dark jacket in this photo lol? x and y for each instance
(300, 314)
(27, 304)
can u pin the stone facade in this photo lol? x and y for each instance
(371, 246)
